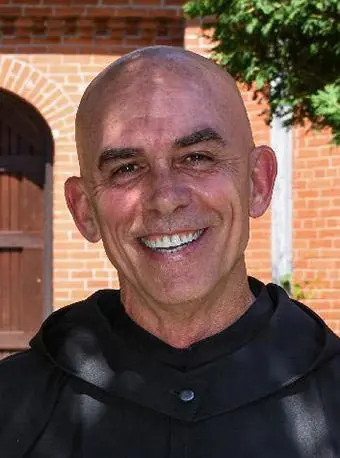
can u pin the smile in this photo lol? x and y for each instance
(171, 243)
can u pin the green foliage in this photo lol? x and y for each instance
(289, 48)
(296, 290)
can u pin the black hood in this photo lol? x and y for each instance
(294, 341)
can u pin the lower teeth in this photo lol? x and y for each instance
(173, 249)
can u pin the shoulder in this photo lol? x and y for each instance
(29, 388)
(328, 374)
(24, 371)
(10, 365)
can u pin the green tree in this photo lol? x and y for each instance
(289, 48)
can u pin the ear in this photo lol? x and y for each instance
(80, 207)
(263, 167)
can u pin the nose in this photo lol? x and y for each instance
(167, 192)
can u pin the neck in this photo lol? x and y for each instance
(181, 325)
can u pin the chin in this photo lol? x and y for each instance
(178, 293)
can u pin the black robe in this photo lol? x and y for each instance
(96, 385)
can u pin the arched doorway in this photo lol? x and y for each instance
(25, 221)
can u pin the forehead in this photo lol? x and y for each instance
(149, 108)
(157, 112)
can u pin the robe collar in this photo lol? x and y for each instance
(276, 342)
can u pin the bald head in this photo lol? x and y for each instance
(165, 148)
(135, 79)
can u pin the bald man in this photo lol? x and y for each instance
(191, 358)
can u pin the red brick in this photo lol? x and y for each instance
(145, 2)
(163, 13)
(76, 59)
(10, 11)
(34, 11)
(55, 2)
(69, 12)
(129, 12)
(115, 2)
(174, 2)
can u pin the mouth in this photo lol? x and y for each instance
(171, 243)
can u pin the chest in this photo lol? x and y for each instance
(291, 425)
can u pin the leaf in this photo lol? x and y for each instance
(251, 26)
(295, 40)
(260, 81)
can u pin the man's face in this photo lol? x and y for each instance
(169, 187)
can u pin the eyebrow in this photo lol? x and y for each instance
(203, 135)
(199, 136)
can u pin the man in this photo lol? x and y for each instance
(191, 359)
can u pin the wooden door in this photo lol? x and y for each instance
(22, 225)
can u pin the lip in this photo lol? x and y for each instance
(168, 255)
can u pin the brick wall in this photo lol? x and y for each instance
(316, 217)
(48, 55)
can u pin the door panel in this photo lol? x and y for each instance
(22, 225)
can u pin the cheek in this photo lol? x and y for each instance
(221, 194)
(229, 200)
(116, 210)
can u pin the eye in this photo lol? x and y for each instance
(126, 169)
(197, 158)
(125, 173)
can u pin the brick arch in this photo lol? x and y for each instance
(48, 97)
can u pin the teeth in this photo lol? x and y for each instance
(175, 240)
(185, 238)
(171, 242)
(164, 243)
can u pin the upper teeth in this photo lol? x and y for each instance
(171, 241)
